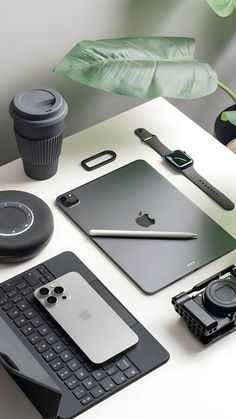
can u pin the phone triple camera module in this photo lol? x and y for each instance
(209, 308)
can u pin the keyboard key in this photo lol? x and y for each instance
(43, 280)
(8, 306)
(16, 299)
(44, 329)
(66, 355)
(58, 331)
(20, 321)
(98, 374)
(107, 366)
(37, 321)
(123, 364)
(89, 366)
(9, 285)
(1, 293)
(97, 391)
(107, 384)
(31, 279)
(41, 270)
(45, 315)
(42, 346)
(27, 329)
(23, 305)
(74, 364)
(34, 338)
(66, 340)
(80, 391)
(30, 313)
(57, 364)
(81, 357)
(72, 382)
(82, 373)
(119, 377)
(51, 323)
(89, 383)
(131, 372)
(22, 286)
(112, 370)
(48, 277)
(49, 355)
(64, 373)
(87, 399)
(51, 338)
(13, 313)
(30, 298)
(74, 348)
(35, 305)
(26, 291)
(13, 293)
(58, 347)
(3, 301)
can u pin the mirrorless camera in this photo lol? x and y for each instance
(209, 308)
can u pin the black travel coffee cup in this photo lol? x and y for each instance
(39, 115)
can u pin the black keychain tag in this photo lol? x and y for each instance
(111, 156)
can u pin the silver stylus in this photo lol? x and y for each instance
(147, 234)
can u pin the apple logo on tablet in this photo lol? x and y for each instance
(144, 220)
(85, 315)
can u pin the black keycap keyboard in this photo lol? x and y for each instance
(85, 380)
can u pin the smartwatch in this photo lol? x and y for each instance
(181, 162)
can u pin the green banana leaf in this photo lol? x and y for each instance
(229, 116)
(144, 67)
(222, 8)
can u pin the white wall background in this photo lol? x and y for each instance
(35, 35)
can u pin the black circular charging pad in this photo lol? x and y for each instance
(26, 225)
(220, 295)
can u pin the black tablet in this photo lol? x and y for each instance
(135, 197)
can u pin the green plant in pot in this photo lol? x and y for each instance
(145, 67)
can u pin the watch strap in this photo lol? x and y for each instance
(153, 141)
(209, 189)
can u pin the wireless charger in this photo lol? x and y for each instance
(26, 225)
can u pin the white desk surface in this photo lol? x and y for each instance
(197, 381)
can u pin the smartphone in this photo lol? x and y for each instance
(86, 317)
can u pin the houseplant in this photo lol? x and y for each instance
(223, 8)
(144, 67)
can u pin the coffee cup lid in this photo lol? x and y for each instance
(38, 106)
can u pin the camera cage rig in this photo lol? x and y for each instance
(206, 325)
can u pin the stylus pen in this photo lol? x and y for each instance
(144, 234)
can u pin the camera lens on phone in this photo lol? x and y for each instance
(51, 300)
(44, 291)
(58, 290)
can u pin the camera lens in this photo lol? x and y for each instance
(58, 290)
(220, 295)
(44, 291)
(68, 200)
(51, 300)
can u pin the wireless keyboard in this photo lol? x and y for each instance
(82, 383)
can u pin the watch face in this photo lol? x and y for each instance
(179, 159)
